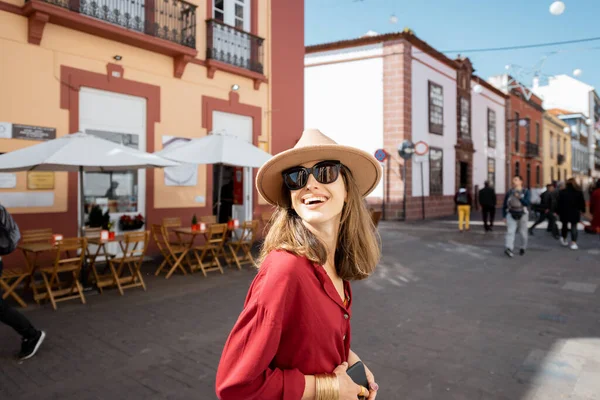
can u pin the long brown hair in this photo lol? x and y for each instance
(573, 183)
(357, 251)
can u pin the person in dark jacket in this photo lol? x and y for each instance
(571, 205)
(463, 201)
(488, 201)
(595, 210)
(548, 209)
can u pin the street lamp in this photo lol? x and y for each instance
(588, 121)
(478, 88)
(567, 130)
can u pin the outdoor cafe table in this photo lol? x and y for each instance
(31, 252)
(103, 279)
(187, 247)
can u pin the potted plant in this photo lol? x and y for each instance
(96, 219)
(195, 224)
(128, 223)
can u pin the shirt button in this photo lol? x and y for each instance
(346, 316)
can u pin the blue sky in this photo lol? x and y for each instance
(469, 24)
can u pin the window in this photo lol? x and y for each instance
(537, 133)
(565, 175)
(517, 132)
(113, 191)
(558, 145)
(436, 177)
(552, 145)
(219, 10)
(233, 12)
(528, 133)
(564, 146)
(491, 125)
(436, 108)
(552, 173)
(491, 172)
(528, 175)
(558, 173)
(518, 168)
(537, 176)
(465, 128)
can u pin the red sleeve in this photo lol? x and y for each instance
(245, 370)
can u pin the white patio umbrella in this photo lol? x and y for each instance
(79, 152)
(217, 148)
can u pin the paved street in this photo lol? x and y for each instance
(446, 316)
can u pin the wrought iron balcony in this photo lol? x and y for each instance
(233, 46)
(172, 20)
(560, 159)
(532, 150)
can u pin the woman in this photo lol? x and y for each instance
(595, 210)
(292, 339)
(571, 205)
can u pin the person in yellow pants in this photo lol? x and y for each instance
(463, 201)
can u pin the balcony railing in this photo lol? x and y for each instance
(232, 46)
(172, 20)
(532, 149)
(560, 159)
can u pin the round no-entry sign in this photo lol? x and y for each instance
(421, 148)
(381, 155)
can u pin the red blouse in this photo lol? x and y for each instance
(293, 324)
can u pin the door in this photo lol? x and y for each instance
(233, 12)
(240, 126)
(464, 174)
(121, 119)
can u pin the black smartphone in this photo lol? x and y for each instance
(359, 375)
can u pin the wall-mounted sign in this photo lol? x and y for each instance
(5, 130)
(37, 180)
(32, 132)
(8, 181)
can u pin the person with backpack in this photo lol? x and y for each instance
(516, 215)
(31, 338)
(488, 201)
(571, 204)
(463, 202)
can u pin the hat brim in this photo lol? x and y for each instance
(365, 169)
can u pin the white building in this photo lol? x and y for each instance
(489, 135)
(576, 97)
(380, 90)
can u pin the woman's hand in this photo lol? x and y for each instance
(348, 389)
(373, 386)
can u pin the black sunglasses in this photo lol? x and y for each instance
(324, 172)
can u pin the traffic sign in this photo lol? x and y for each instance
(381, 155)
(421, 148)
(406, 149)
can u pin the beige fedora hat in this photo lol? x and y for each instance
(315, 146)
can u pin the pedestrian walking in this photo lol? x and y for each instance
(292, 339)
(516, 215)
(547, 211)
(571, 205)
(31, 338)
(488, 202)
(594, 227)
(463, 201)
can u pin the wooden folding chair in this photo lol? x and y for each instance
(216, 235)
(70, 254)
(208, 219)
(10, 280)
(169, 223)
(169, 251)
(244, 243)
(36, 235)
(375, 217)
(134, 251)
(265, 219)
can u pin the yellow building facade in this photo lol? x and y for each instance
(146, 74)
(557, 150)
